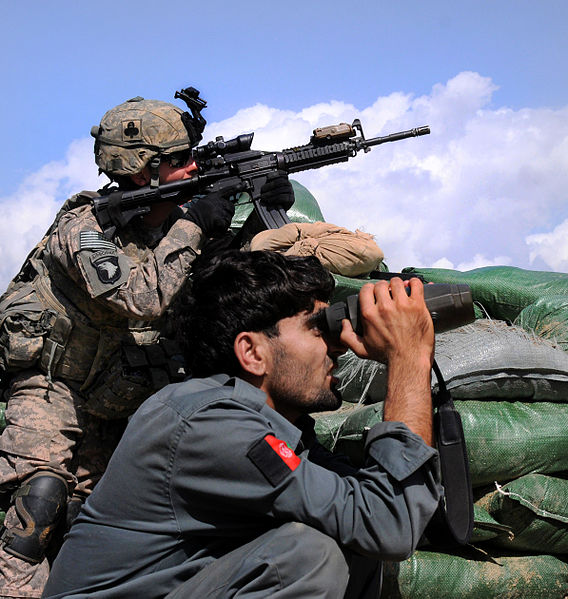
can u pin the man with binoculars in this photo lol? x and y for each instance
(219, 487)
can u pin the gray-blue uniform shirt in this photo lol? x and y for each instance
(206, 465)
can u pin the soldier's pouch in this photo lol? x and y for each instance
(137, 367)
(24, 322)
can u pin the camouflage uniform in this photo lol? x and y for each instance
(82, 333)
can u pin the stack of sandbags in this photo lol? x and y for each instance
(511, 389)
(535, 300)
(502, 291)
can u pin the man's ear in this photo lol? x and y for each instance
(142, 178)
(252, 352)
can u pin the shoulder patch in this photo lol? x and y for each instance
(94, 240)
(106, 265)
(273, 458)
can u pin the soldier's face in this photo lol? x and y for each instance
(177, 173)
(300, 378)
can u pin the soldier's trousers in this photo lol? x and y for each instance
(48, 429)
(288, 562)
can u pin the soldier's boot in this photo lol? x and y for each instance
(40, 503)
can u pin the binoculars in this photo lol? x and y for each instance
(450, 306)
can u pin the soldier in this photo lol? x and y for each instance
(83, 330)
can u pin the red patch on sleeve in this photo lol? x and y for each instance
(284, 452)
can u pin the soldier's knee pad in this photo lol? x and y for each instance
(40, 503)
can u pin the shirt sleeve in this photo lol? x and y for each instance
(138, 288)
(381, 510)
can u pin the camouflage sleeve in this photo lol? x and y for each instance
(140, 286)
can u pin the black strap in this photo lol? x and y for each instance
(452, 523)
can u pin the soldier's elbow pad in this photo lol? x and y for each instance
(40, 503)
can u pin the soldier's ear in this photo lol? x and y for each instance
(252, 350)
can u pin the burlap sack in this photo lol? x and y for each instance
(341, 251)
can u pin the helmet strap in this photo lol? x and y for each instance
(155, 171)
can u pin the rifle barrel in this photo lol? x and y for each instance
(375, 141)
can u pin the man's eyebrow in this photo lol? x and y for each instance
(315, 318)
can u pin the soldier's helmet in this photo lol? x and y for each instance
(131, 134)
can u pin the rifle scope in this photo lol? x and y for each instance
(450, 306)
(241, 143)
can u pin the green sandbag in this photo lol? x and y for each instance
(2, 416)
(486, 359)
(502, 290)
(304, 210)
(350, 439)
(361, 381)
(535, 506)
(470, 574)
(485, 527)
(328, 424)
(490, 359)
(504, 439)
(345, 286)
(548, 318)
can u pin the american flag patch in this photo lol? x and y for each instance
(95, 240)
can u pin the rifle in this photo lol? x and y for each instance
(232, 164)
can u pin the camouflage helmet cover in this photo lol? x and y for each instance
(134, 132)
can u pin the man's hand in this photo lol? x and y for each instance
(394, 323)
(398, 329)
(277, 191)
(213, 212)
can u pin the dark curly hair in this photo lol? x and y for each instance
(242, 291)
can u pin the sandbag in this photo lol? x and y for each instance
(341, 251)
(485, 359)
(490, 359)
(361, 381)
(503, 291)
(535, 507)
(508, 439)
(485, 527)
(328, 424)
(504, 439)
(2, 416)
(548, 318)
(471, 574)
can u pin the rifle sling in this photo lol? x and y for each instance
(452, 523)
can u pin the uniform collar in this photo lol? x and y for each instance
(250, 395)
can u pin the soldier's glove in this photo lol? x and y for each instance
(277, 192)
(213, 212)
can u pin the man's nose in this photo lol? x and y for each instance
(191, 167)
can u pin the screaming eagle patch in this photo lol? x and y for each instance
(273, 458)
(106, 264)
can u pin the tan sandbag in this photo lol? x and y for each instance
(341, 251)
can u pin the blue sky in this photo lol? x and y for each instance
(491, 75)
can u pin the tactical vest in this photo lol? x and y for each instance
(46, 323)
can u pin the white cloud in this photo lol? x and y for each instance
(551, 247)
(26, 215)
(488, 186)
(478, 261)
